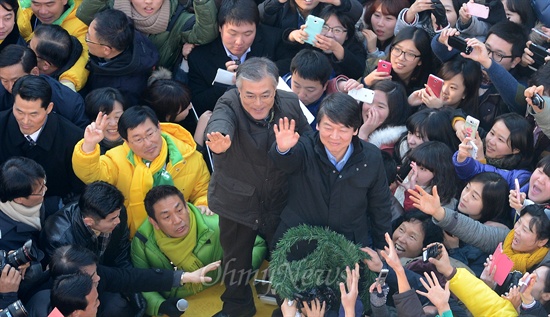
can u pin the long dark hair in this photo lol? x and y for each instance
(421, 40)
(438, 159)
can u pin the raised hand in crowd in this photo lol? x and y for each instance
(94, 133)
(445, 34)
(217, 142)
(349, 297)
(465, 149)
(317, 309)
(530, 92)
(285, 134)
(435, 293)
(488, 274)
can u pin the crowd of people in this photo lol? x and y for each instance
(153, 148)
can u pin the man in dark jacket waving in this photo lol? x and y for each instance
(337, 180)
(246, 190)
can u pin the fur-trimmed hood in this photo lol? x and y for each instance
(388, 135)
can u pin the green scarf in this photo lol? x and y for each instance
(180, 250)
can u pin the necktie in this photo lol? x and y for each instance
(31, 141)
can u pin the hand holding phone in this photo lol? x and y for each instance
(314, 26)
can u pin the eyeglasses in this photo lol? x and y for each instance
(147, 137)
(497, 57)
(41, 191)
(396, 52)
(264, 97)
(87, 40)
(337, 30)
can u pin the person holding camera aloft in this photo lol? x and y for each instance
(405, 299)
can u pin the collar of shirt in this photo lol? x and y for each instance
(343, 161)
(234, 57)
(35, 135)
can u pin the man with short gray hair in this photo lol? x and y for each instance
(246, 190)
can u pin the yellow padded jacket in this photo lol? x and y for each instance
(190, 175)
(479, 298)
(78, 74)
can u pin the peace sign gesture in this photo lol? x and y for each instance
(94, 133)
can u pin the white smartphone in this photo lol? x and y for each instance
(314, 26)
(478, 10)
(362, 94)
(470, 127)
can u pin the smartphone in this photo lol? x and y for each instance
(314, 26)
(470, 127)
(384, 67)
(362, 94)
(382, 277)
(460, 44)
(523, 285)
(436, 84)
(539, 53)
(478, 10)
(539, 32)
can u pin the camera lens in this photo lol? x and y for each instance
(15, 309)
(22, 255)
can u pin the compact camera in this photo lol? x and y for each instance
(431, 252)
(460, 44)
(538, 101)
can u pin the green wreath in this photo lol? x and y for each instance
(310, 257)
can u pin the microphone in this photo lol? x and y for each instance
(182, 305)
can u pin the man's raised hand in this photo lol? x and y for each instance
(285, 134)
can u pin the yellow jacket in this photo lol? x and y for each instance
(78, 74)
(479, 298)
(190, 175)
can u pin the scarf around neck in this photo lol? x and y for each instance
(180, 250)
(27, 215)
(522, 261)
(154, 24)
(146, 176)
